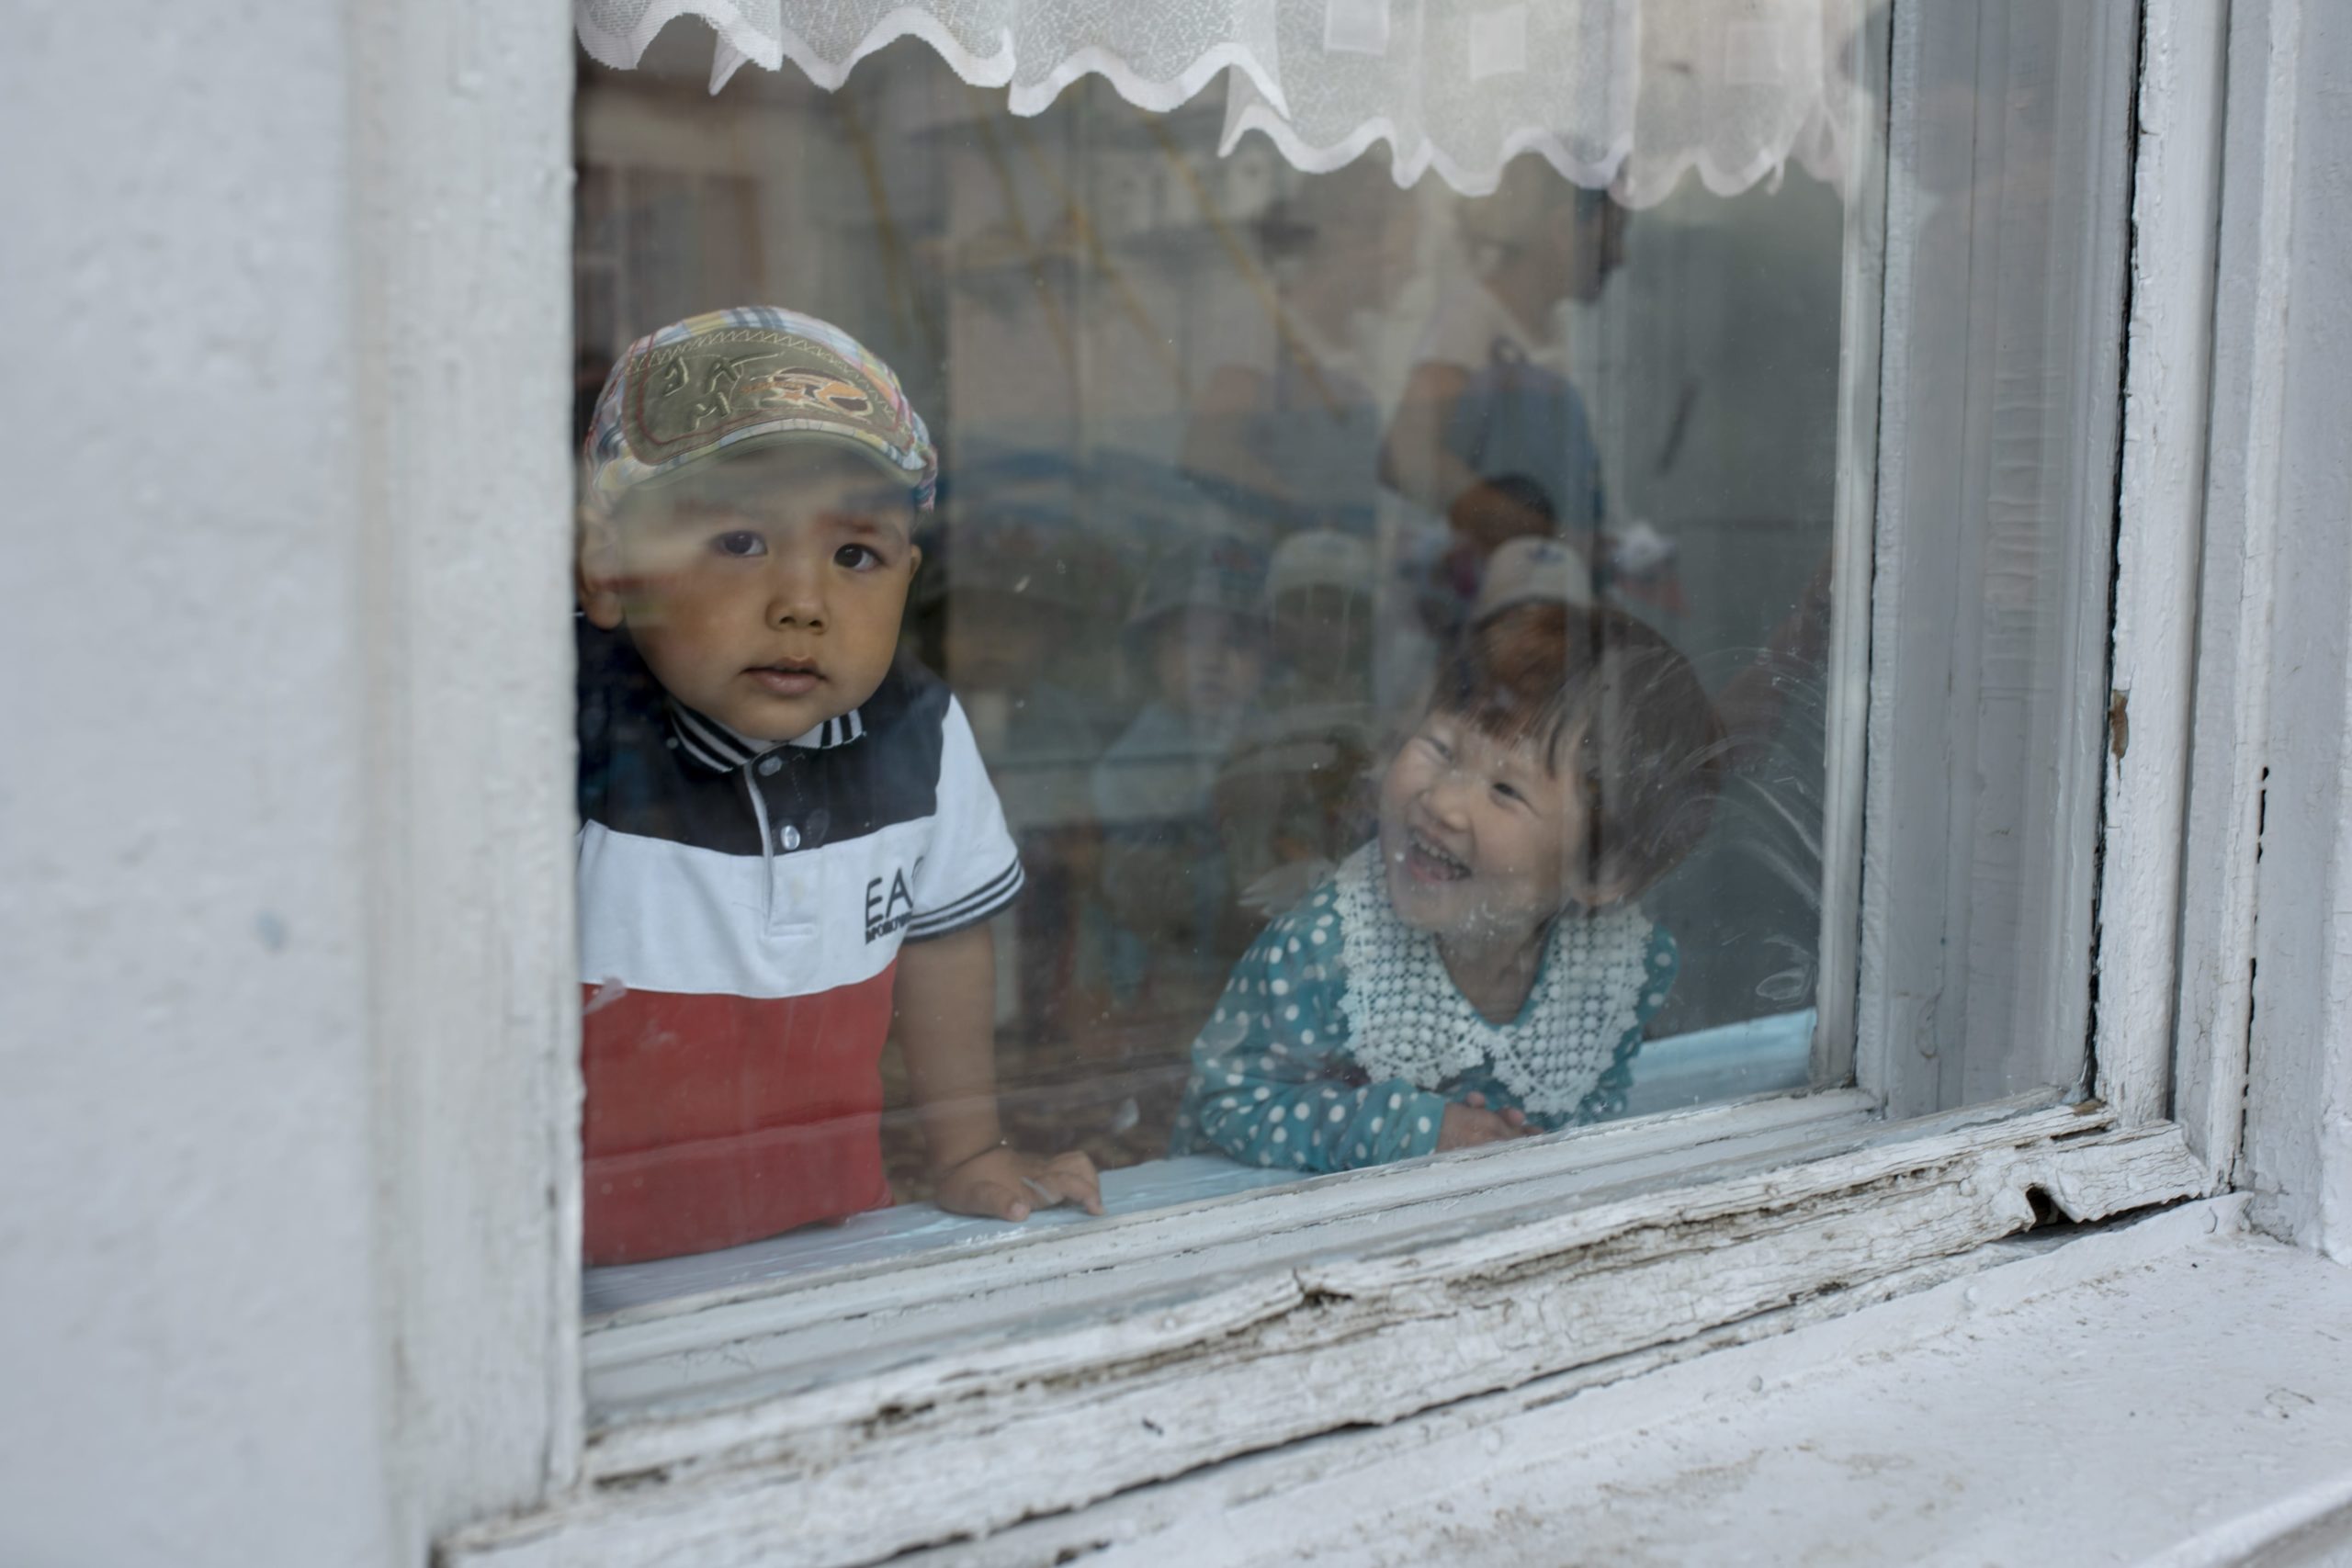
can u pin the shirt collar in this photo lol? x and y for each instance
(722, 750)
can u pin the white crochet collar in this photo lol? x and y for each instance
(1407, 1019)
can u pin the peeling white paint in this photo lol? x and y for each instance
(2176, 201)
(284, 920)
(462, 243)
(2298, 1101)
(2232, 727)
(2000, 384)
(1997, 1418)
(912, 1454)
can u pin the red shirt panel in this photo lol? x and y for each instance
(712, 1120)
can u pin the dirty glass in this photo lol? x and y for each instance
(1399, 699)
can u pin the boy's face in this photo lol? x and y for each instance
(764, 590)
(1208, 662)
(1323, 631)
(995, 642)
(1480, 841)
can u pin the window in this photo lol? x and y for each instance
(1844, 446)
(1232, 458)
(1230, 455)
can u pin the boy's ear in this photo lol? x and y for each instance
(596, 574)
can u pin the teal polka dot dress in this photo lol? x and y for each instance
(1340, 1039)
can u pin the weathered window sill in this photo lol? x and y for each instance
(736, 1448)
(2172, 1390)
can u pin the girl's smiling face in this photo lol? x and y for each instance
(1481, 840)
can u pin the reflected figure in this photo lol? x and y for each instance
(1295, 794)
(1198, 632)
(1319, 593)
(1491, 434)
(1004, 593)
(1285, 430)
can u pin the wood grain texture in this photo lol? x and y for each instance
(791, 1335)
(460, 200)
(2298, 1149)
(1861, 311)
(965, 1443)
(2175, 200)
(1997, 1417)
(2230, 728)
(1998, 437)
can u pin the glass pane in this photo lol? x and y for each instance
(2008, 231)
(1375, 673)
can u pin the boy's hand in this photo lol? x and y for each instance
(1470, 1123)
(944, 998)
(1006, 1184)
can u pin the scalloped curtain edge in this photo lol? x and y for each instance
(737, 43)
(1408, 164)
(1648, 184)
(622, 51)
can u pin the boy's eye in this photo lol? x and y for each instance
(740, 542)
(1443, 752)
(857, 558)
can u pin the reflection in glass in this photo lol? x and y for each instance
(1232, 458)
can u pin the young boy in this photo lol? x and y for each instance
(788, 837)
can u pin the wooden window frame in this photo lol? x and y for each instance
(1648, 1240)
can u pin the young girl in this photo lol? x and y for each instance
(1480, 971)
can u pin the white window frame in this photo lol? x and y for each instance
(1685, 1232)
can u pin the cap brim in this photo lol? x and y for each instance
(763, 437)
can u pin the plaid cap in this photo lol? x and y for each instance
(753, 374)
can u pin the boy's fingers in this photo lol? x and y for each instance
(1071, 1179)
(1054, 1189)
(1009, 1202)
(996, 1200)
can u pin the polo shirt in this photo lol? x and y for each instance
(742, 907)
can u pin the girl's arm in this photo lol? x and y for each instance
(1273, 1086)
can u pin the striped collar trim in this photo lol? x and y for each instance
(722, 750)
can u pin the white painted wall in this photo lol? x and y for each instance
(193, 1323)
(283, 908)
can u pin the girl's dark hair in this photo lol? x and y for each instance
(1611, 705)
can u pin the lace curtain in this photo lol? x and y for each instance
(1628, 93)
